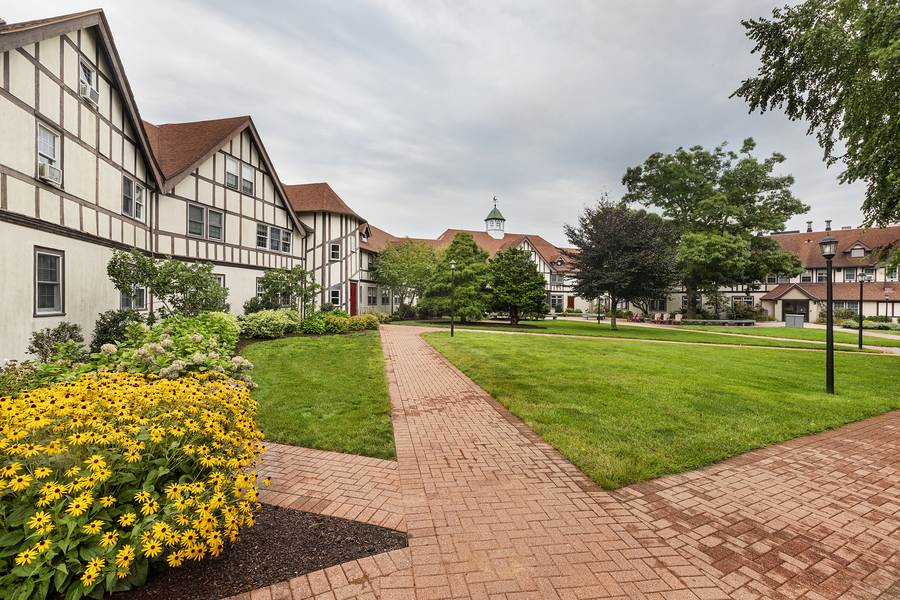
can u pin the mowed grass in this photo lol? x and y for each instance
(841, 335)
(626, 331)
(624, 412)
(324, 392)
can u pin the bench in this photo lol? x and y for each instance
(721, 322)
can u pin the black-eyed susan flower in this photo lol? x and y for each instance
(107, 501)
(110, 538)
(25, 556)
(41, 521)
(127, 519)
(20, 482)
(93, 528)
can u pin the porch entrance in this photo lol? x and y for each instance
(353, 293)
(795, 307)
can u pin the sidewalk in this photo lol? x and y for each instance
(494, 512)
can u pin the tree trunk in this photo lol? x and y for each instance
(613, 303)
(691, 291)
(514, 315)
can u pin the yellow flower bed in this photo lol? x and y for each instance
(102, 476)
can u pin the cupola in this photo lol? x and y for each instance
(495, 222)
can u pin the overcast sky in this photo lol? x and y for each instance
(419, 112)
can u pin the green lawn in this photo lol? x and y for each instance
(841, 335)
(627, 412)
(327, 392)
(624, 330)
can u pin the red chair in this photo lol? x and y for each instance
(678, 319)
(636, 317)
(657, 318)
(666, 319)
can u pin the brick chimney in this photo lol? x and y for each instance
(828, 225)
(809, 227)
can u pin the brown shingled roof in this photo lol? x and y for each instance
(872, 292)
(12, 27)
(806, 245)
(180, 147)
(378, 238)
(317, 197)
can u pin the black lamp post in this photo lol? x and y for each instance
(452, 292)
(862, 279)
(829, 249)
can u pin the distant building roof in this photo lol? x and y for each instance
(806, 245)
(181, 147)
(317, 197)
(872, 292)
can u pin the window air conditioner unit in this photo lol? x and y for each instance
(50, 174)
(90, 94)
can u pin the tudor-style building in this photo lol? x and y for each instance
(81, 174)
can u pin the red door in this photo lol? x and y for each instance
(570, 303)
(352, 299)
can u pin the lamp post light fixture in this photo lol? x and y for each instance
(452, 293)
(829, 249)
(862, 279)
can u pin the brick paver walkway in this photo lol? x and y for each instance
(495, 512)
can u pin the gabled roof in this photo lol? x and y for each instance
(182, 147)
(318, 197)
(872, 292)
(548, 251)
(806, 245)
(378, 238)
(18, 35)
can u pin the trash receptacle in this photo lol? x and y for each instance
(793, 321)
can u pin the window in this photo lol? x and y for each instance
(556, 300)
(335, 297)
(48, 145)
(807, 276)
(363, 237)
(782, 278)
(214, 230)
(891, 275)
(260, 290)
(137, 299)
(857, 253)
(48, 273)
(248, 177)
(132, 198)
(273, 238)
(622, 305)
(771, 278)
(196, 222)
(372, 296)
(849, 273)
(869, 272)
(231, 172)
(555, 278)
(821, 276)
(87, 76)
(352, 243)
(371, 261)
(335, 252)
(852, 305)
(220, 279)
(397, 299)
(386, 296)
(658, 304)
(738, 300)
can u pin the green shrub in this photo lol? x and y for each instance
(267, 324)
(745, 311)
(371, 321)
(111, 326)
(336, 324)
(842, 314)
(257, 303)
(91, 503)
(357, 323)
(295, 317)
(382, 317)
(16, 378)
(313, 324)
(337, 312)
(43, 343)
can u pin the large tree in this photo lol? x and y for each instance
(621, 253)
(405, 267)
(720, 202)
(836, 64)
(517, 285)
(472, 296)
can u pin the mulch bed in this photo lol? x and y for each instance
(283, 544)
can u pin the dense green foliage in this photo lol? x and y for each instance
(654, 409)
(44, 343)
(405, 267)
(112, 325)
(470, 281)
(621, 253)
(720, 201)
(287, 288)
(183, 288)
(836, 64)
(517, 285)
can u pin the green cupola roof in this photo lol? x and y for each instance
(495, 214)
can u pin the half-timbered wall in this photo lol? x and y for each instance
(82, 219)
(338, 271)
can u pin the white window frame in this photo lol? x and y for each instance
(849, 274)
(371, 296)
(248, 183)
(770, 278)
(821, 276)
(857, 252)
(260, 290)
(807, 276)
(57, 284)
(659, 305)
(557, 278)
(205, 223)
(335, 252)
(738, 300)
(220, 279)
(890, 275)
(385, 296)
(191, 218)
(136, 300)
(557, 300)
(232, 168)
(782, 278)
(335, 297)
(44, 157)
(869, 272)
(352, 243)
(209, 225)
(91, 80)
(266, 234)
(137, 200)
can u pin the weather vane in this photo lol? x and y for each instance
(495, 201)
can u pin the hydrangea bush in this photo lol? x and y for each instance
(107, 474)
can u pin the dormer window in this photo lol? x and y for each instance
(857, 252)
